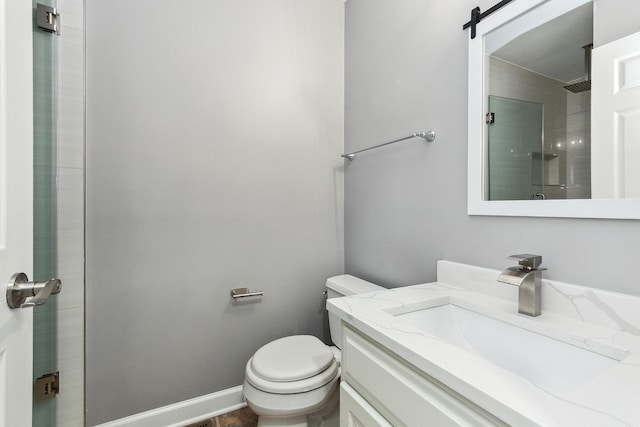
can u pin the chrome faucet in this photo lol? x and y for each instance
(528, 278)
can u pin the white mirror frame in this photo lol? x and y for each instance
(477, 109)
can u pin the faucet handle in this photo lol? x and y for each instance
(527, 261)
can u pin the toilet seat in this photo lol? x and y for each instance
(293, 387)
(289, 365)
(291, 358)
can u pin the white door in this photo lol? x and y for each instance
(16, 193)
(615, 119)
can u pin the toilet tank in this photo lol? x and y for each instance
(340, 286)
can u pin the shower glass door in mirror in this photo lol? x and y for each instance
(516, 150)
(539, 100)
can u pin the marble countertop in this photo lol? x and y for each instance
(606, 322)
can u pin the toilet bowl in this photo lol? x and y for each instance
(293, 381)
(291, 378)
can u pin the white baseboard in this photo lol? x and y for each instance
(185, 412)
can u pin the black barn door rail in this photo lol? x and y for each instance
(476, 16)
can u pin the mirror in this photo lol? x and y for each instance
(538, 138)
(532, 149)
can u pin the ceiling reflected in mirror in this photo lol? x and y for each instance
(553, 49)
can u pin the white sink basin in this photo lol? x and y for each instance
(540, 359)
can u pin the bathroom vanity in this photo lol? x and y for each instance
(456, 352)
(375, 381)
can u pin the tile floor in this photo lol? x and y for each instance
(244, 417)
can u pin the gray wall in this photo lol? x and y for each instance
(405, 205)
(214, 130)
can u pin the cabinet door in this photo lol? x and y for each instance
(400, 393)
(356, 412)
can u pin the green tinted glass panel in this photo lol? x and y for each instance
(515, 149)
(44, 214)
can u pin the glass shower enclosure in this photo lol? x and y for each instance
(45, 51)
(518, 167)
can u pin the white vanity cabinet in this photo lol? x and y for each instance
(356, 412)
(379, 389)
(577, 364)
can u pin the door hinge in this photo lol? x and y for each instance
(48, 18)
(490, 118)
(47, 387)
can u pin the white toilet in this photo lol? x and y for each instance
(293, 381)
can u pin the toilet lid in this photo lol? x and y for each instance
(324, 378)
(291, 359)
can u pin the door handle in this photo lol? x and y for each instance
(20, 288)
